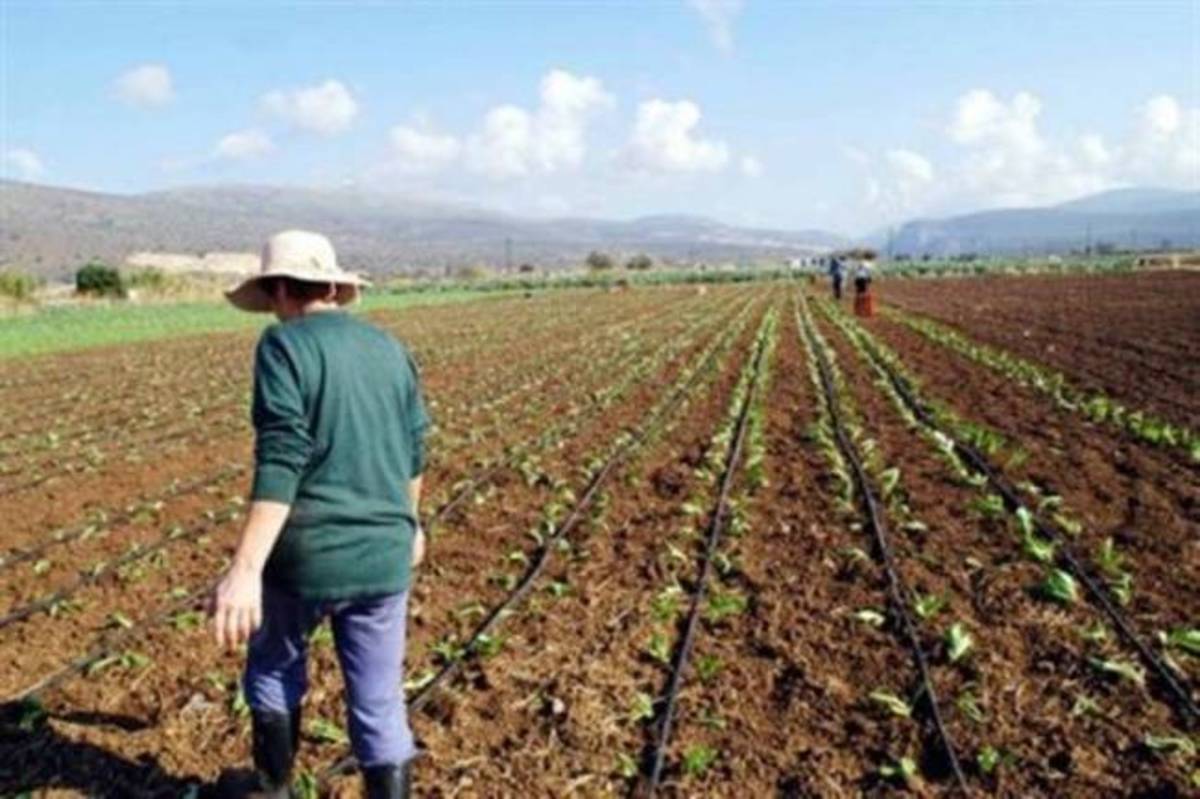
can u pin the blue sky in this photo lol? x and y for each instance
(840, 115)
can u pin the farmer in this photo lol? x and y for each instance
(836, 273)
(862, 273)
(332, 529)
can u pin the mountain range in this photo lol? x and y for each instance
(50, 231)
(1132, 218)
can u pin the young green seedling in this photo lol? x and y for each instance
(958, 642)
(926, 606)
(1121, 669)
(697, 759)
(1060, 587)
(892, 703)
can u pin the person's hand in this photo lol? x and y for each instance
(418, 550)
(236, 606)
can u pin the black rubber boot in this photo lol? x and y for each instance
(388, 782)
(276, 737)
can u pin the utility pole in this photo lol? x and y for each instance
(1087, 248)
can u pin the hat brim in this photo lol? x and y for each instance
(250, 296)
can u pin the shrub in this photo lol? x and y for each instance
(99, 279)
(598, 261)
(17, 285)
(639, 262)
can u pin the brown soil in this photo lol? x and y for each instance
(787, 713)
(1136, 337)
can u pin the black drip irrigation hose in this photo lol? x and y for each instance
(875, 521)
(1184, 704)
(425, 694)
(67, 535)
(110, 645)
(656, 754)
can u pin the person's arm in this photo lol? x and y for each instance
(237, 601)
(418, 424)
(414, 499)
(282, 448)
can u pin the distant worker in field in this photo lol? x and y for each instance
(864, 300)
(332, 529)
(836, 275)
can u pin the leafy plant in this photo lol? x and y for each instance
(1060, 587)
(902, 770)
(1186, 639)
(892, 703)
(928, 605)
(889, 479)
(968, 704)
(990, 506)
(325, 731)
(1171, 743)
(665, 605)
(1108, 559)
(870, 616)
(697, 759)
(626, 766)
(1120, 668)
(448, 649)
(659, 648)
(958, 642)
(487, 646)
(723, 604)
(708, 667)
(643, 707)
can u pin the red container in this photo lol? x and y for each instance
(864, 304)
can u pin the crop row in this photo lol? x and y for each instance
(1094, 406)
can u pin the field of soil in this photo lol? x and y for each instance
(1135, 336)
(694, 542)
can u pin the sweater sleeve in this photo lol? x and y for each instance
(283, 444)
(418, 419)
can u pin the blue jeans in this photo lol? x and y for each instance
(369, 637)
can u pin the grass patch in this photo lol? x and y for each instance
(51, 330)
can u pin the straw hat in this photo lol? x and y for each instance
(301, 255)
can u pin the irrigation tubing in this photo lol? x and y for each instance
(84, 661)
(67, 535)
(656, 755)
(875, 521)
(425, 694)
(1184, 703)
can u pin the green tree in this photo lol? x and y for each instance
(99, 279)
(640, 262)
(599, 262)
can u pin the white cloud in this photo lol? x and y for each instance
(418, 150)
(664, 140)
(1005, 160)
(145, 86)
(515, 142)
(26, 163)
(1094, 151)
(910, 166)
(1161, 117)
(243, 145)
(718, 17)
(751, 167)
(326, 109)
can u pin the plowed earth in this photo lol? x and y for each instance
(121, 526)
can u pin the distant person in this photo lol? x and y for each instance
(863, 269)
(332, 529)
(836, 275)
(864, 300)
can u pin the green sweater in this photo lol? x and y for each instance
(339, 423)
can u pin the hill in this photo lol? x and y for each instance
(1123, 218)
(50, 230)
